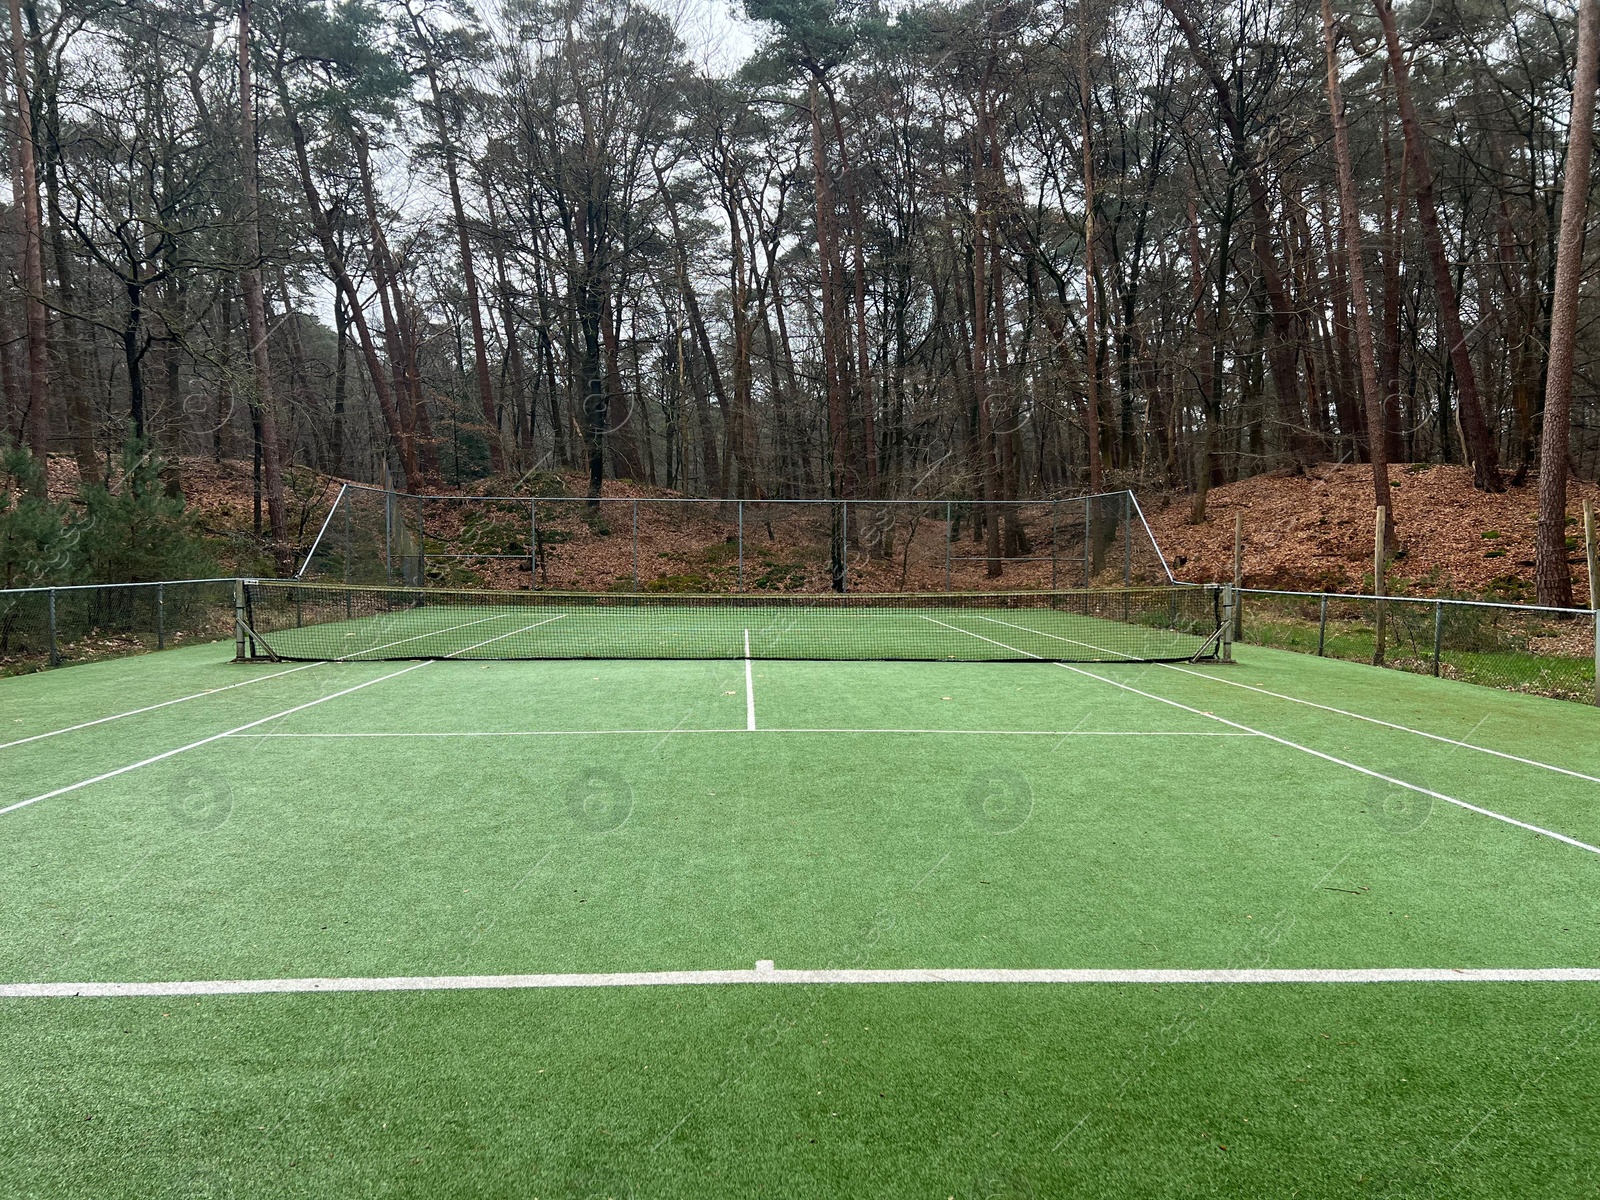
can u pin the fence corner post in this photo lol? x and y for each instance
(1379, 561)
(1594, 586)
(1229, 599)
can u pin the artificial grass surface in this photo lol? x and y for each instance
(977, 1092)
(693, 843)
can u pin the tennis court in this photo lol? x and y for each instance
(416, 923)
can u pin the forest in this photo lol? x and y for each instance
(983, 251)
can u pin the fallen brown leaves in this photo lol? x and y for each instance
(1314, 533)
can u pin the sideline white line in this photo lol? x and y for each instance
(1272, 737)
(749, 688)
(515, 733)
(768, 975)
(1516, 758)
(134, 712)
(72, 787)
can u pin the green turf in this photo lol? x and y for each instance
(646, 828)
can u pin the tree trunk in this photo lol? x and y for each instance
(1350, 222)
(480, 352)
(254, 305)
(1474, 426)
(1551, 574)
(37, 423)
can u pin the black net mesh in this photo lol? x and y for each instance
(326, 622)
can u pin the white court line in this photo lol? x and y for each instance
(503, 636)
(749, 688)
(1272, 737)
(72, 787)
(769, 975)
(134, 712)
(515, 733)
(355, 655)
(1516, 758)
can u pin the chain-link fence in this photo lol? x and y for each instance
(1519, 648)
(55, 626)
(654, 544)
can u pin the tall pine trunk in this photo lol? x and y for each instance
(254, 304)
(1552, 576)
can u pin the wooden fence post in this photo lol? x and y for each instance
(1378, 564)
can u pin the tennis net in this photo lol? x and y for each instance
(317, 622)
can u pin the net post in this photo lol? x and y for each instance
(1322, 626)
(238, 620)
(55, 653)
(161, 617)
(947, 527)
(1228, 601)
(741, 544)
(636, 546)
(1438, 634)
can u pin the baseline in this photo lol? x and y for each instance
(766, 975)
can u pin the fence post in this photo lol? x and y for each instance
(1055, 511)
(947, 527)
(533, 544)
(55, 654)
(741, 545)
(1322, 626)
(238, 620)
(161, 617)
(347, 537)
(636, 545)
(1127, 539)
(844, 544)
(1088, 529)
(1229, 598)
(1238, 571)
(1594, 587)
(422, 545)
(1377, 587)
(1438, 634)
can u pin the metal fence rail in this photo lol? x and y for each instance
(53, 626)
(1515, 647)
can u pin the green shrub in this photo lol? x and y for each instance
(37, 544)
(135, 532)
